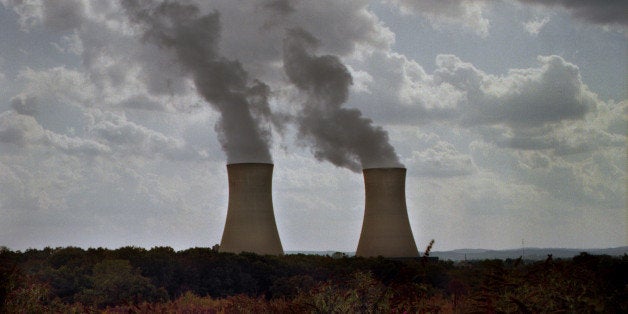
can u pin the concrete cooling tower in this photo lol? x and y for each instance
(386, 228)
(250, 225)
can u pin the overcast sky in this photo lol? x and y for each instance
(117, 120)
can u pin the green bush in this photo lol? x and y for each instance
(117, 282)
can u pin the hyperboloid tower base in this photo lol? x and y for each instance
(250, 225)
(386, 229)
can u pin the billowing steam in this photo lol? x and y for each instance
(193, 39)
(339, 135)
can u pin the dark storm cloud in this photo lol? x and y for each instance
(193, 38)
(339, 135)
(595, 11)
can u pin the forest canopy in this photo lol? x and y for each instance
(137, 279)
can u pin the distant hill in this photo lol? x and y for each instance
(528, 253)
(480, 254)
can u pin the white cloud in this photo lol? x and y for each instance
(118, 65)
(19, 129)
(403, 93)
(468, 14)
(23, 130)
(524, 98)
(58, 15)
(524, 195)
(130, 138)
(63, 122)
(595, 180)
(29, 12)
(68, 86)
(613, 117)
(25, 190)
(109, 202)
(143, 102)
(441, 160)
(74, 145)
(70, 44)
(533, 27)
(602, 129)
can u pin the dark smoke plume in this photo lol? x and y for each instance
(339, 135)
(193, 38)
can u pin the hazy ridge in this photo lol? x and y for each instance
(477, 254)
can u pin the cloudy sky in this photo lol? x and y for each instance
(117, 119)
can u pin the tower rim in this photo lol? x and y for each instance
(384, 168)
(250, 163)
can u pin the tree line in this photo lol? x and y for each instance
(133, 278)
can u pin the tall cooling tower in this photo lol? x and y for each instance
(386, 228)
(250, 225)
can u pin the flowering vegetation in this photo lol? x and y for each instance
(136, 280)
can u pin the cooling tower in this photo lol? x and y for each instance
(386, 228)
(250, 225)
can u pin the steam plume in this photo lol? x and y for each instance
(339, 135)
(193, 38)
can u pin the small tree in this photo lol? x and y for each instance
(116, 282)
